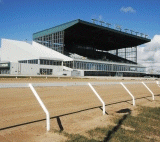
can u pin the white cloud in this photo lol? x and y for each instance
(149, 55)
(127, 9)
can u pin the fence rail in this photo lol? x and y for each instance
(21, 85)
(91, 85)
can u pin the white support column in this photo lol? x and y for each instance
(128, 92)
(148, 90)
(98, 97)
(42, 105)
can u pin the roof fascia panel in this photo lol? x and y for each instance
(55, 29)
(113, 30)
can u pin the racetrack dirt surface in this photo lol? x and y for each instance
(73, 109)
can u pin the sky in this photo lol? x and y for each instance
(20, 19)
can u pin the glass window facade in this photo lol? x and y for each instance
(101, 66)
(33, 61)
(23, 61)
(54, 41)
(126, 53)
(42, 62)
(92, 66)
(44, 71)
(4, 71)
(68, 64)
(50, 62)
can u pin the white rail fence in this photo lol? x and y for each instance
(31, 86)
(42, 105)
(158, 83)
(98, 97)
(148, 90)
(129, 93)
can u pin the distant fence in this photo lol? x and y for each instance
(20, 85)
(31, 86)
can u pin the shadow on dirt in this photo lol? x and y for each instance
(59, 121)
(59, 124)
(115, 129)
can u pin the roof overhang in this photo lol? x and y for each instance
(89, 34)
(100, 37)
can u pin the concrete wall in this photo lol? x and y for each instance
(77, 73)
(33, 69)
(67, 73)
(57, 70)
(14, 68)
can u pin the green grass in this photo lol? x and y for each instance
(145, 127)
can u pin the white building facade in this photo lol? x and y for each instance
(22, 58)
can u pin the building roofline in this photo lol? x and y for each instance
(59, 26)
(113, 30)
(66, 25)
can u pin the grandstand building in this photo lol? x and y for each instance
(76, 48)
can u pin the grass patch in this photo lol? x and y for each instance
(141, 128)
(79, 138)
(98, 133)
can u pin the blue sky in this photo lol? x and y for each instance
(20, 19)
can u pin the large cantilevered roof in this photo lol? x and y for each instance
(89, 34)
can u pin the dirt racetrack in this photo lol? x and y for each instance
(72, 108)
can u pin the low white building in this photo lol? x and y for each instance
(22, 58)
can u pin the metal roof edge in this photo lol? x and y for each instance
(71, 23)
(56, 28)
(113, 30)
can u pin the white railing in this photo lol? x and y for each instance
(98, 97)
(31, 86)
(20, 85)
(42, 105)
(148, 90)
(129, 93)
(158, 83)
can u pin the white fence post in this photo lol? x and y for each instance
(128, 92)
(98, 97)
(148, 90)
(42, 105)
(158, 83)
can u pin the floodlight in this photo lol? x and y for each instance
(94, 20)
(136, 33)
(141, 34)
(108, 24)
(118, 27)
(101, 22)
(131, 31)
(146, 36)
(126, 30)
